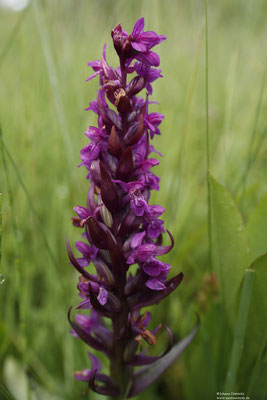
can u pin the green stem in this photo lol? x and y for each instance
(0, 228)
(240, 330)
(207, 129)
(120, 372)
(207, 89)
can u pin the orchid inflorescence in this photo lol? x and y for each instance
(122, 231)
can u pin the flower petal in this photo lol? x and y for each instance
(155, 284)
(138, 27)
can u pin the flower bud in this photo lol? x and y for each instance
(122, 101)
(95, 172)
(135, 86)
(104, 271)
(106, 216)
(114, 146)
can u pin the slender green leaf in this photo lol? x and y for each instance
(0, 227)
(230, 249)
(257, 321)
(257, 367)
(6, 395)
(257, 229)
(240, 330)
(15, 378)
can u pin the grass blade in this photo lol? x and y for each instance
(230, 246)
(0, 228)
(6, 393)
(240, 330)
(250, 155)
(178, 167)
(207, 130)
(257, 366)
(53, 79)
(2, 279)
(48, 248)
(12, 36)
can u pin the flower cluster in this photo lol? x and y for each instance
(122, 232)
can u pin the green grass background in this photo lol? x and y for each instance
(42, 127)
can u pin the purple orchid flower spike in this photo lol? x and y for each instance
(120, 226)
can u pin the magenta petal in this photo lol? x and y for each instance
(145, 251)
(149, 58)
(149, 298)
(84, 321)
(86, 374)
(83, 375)
(82, 212)
(155, 211)
(82, 247)
(95, 64)
(137, 239)
(154, 284)
(149, 37)
(162, 37)
(149, 88)
(139, 205)
(139, 46)
(102, 296)
(155, 228)
(96, 364)
(131, 258)
(83, 262)
(84, 305)
(92, 76)
(138, 27)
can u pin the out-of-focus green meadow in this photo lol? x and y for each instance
(43, 66)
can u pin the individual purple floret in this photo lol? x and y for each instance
(122, 231)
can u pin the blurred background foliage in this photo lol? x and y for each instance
(43, 64)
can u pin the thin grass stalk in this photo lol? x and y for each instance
(256, 369)
(67, 365)
(224, 143)
(42, 374)
(0, 229)
(40, 223)
(2, 279)
(178, 167)
(53, 80)
(13, 276)
(6, 393)
(254, 156)
(15, 293)
(207, 88)
(262, 138)
(250, 159)
(207, 128)
(206, 342)
(240, 330)
(12, 36)
(10, 198)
